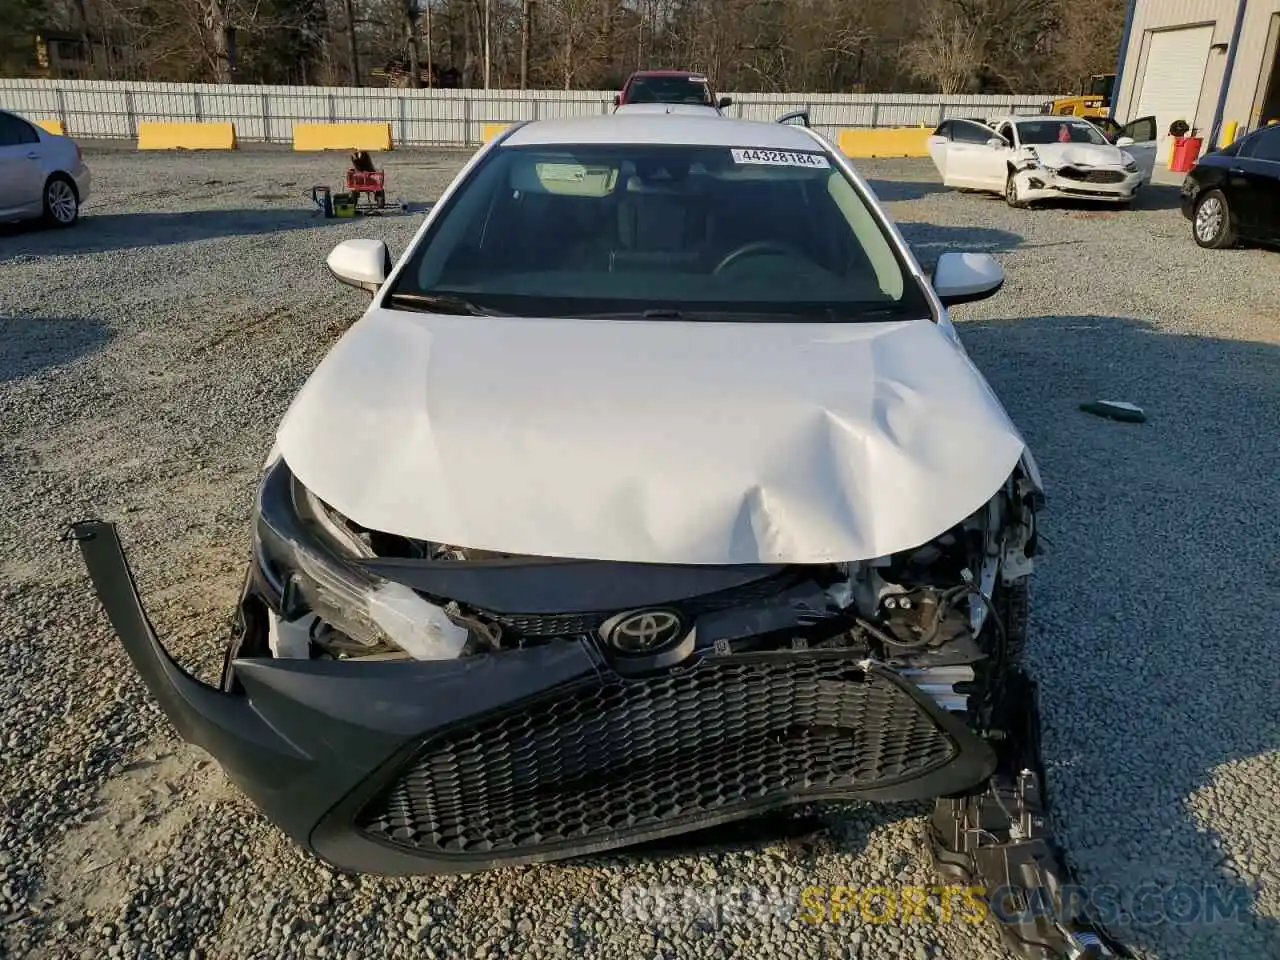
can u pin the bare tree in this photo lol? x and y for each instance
(411, 14)
(431, 65)
(526, 24)
(578, 32)
(1078, 47)
(349, 9)
(488, 40)
(947, 51)
(1039, 46)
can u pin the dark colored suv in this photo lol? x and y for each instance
(1234, 193)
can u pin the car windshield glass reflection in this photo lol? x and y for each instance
(662, 232)
(1056, 131)
(669, 90)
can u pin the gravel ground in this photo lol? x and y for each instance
(146, 356)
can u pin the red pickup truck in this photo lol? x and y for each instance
(673, 87)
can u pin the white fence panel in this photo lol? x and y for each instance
(110, 109)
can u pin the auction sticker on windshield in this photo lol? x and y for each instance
(780, 158)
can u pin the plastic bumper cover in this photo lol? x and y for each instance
(1038, 183)
(352, 760)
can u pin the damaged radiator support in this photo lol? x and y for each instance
(1000, 840)
(940, 684)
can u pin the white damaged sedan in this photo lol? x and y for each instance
(653, 491)
(1027, 159)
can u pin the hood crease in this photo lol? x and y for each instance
(689, 443)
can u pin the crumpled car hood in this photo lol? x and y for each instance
(1078, 154)
(651, 441)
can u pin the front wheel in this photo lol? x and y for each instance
(1012, 195)
(1211, 222)
(61, 204)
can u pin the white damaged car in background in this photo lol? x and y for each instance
(653, 491)
(1028, 159)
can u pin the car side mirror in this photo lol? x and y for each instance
(364, 264)
(966, 277)
(617, 99)
(995, 142)
(724, 102)
(1125, 142)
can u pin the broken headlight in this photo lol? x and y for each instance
(302, 554)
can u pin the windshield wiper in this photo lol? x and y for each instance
(825, 314)
(850, 313)
(657, 313)
(439, 303)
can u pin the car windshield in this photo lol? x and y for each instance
(670, 90)
(659, 231)
(1060, 131)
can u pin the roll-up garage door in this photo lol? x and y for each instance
(1173, 78)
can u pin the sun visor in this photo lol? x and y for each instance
(563, 178)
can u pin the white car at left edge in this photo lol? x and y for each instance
(42, 175)
(1029, 159)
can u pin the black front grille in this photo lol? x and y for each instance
(625, 756)
(548, 624)
(577, 624)
(1092, 176)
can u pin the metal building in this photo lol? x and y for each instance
(1208, 62)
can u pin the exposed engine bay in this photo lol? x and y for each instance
(949, 614)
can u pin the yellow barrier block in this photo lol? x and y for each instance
(490, 130)
(885, 142)
(186, 136)
(342, 136)
(52, 126)
(1229, 132)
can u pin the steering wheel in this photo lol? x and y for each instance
(756, 248)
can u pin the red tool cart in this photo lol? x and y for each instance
(364, 180)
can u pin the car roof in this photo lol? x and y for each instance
(1039, 118)
(704, 109)
(709, 130)
(670, 73)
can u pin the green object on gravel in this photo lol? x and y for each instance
(1115, 410)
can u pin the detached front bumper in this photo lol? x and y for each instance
(417, 767)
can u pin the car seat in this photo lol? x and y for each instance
(661, 226)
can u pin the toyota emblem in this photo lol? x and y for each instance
(645, 631)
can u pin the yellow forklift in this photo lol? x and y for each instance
(1095, 105)
(1096, 102)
